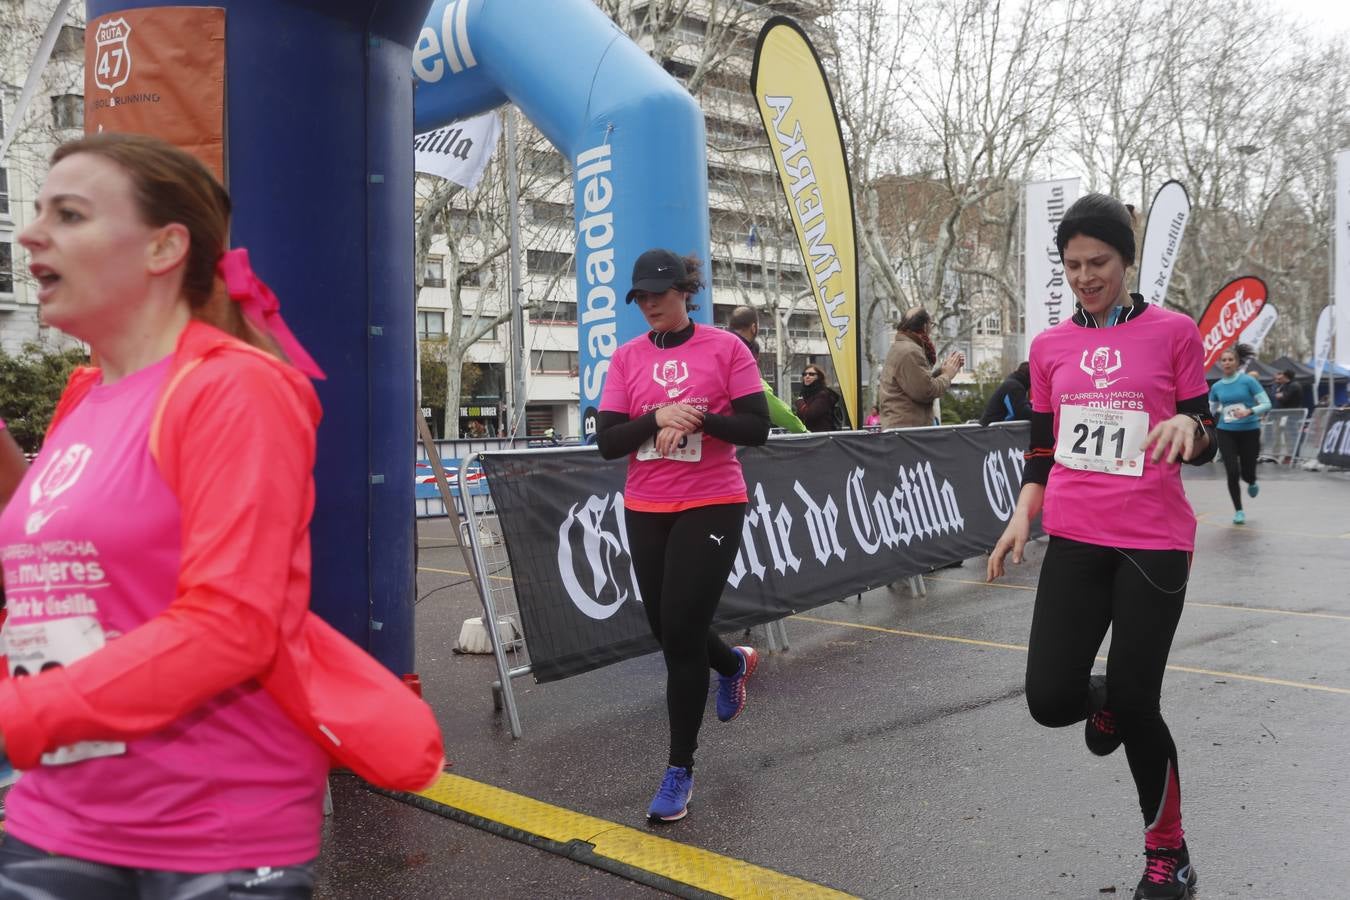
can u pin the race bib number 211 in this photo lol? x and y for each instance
(1102, 440)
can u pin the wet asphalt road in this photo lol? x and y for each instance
(899, 765)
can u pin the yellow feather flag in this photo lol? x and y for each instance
(799, 117)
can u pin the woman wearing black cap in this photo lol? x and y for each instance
(677, 401)
(1118, 401)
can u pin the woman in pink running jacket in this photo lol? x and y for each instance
(167, 695)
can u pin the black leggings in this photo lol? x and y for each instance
(28, 873)
(682, 561)
(1139, 594)
(1239, 450)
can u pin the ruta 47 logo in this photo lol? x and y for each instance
(112, 54)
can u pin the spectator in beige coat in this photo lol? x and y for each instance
(911, 380)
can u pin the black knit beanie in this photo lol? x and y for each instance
(1101, 217)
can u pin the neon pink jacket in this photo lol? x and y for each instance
(242, 607)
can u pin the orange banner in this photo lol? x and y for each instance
(159, 71)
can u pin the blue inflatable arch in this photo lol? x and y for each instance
(632, 133)
(319, 155)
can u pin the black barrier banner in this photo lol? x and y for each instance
(1335, 449)
(828, 517)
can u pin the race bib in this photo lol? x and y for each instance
(38, 646)
(1230, 412)
(1102, 440)
(689, 449)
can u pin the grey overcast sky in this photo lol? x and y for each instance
(1333, 15)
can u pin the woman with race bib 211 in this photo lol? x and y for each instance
(1119, 402)
(677, 402)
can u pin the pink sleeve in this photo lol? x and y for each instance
(615, 395)
(1040, 380)
(744, 379)
(1189, 361)
(243, 576)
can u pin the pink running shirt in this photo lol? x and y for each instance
(1148, 363)
(707, 372)
(90, 546)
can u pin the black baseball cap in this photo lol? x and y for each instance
(655, 272)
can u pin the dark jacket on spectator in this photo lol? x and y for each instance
(1010, 401)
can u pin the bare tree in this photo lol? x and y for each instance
(472, 229)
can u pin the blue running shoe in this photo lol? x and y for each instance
(671, 802)
(1239, 518)
(731, 688)
(1253, 489)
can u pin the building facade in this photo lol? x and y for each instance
(755, 259)
(55, 114)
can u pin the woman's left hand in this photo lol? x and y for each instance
(1173, 439)
(1242, 412)
(668, 439)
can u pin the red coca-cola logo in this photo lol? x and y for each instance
(1233, 308)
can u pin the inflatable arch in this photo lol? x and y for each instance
(319, 156)
(632, 134)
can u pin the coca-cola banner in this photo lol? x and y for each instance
(1233, 308)
(1335, 449)
(828, 517)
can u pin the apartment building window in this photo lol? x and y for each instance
(461, 222)
(555, 362)
(558, 312)
(546, 213)
(70, 42)
(434, 273)
(6, 267)
(430, 324)
(548, 262)
(991, 324)
(68, 110)
(4, 187)
(691, 29)
(470, 322)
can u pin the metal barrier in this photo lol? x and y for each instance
(429, 504)
(1280, 433)
(484, 548)
(1314, 429)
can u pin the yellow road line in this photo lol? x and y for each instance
(1278, 532)
(613, 847)
(991, 584)
(458, 572)
(915, 634)
(1258, 679)
(1275, 611)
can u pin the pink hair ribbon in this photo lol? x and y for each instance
(263, 308)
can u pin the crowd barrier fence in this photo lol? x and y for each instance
(1281, 430)
(1310, 439)
(855, 511)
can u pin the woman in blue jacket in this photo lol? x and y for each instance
(1238, 401)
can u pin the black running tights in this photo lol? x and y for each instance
(1239, 450)
(682, 561)
(1138, 593)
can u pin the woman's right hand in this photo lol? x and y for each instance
(1014, 539)
(679, 415)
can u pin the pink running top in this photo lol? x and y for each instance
(1143, 366)
(91, 547)
(707, 372)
